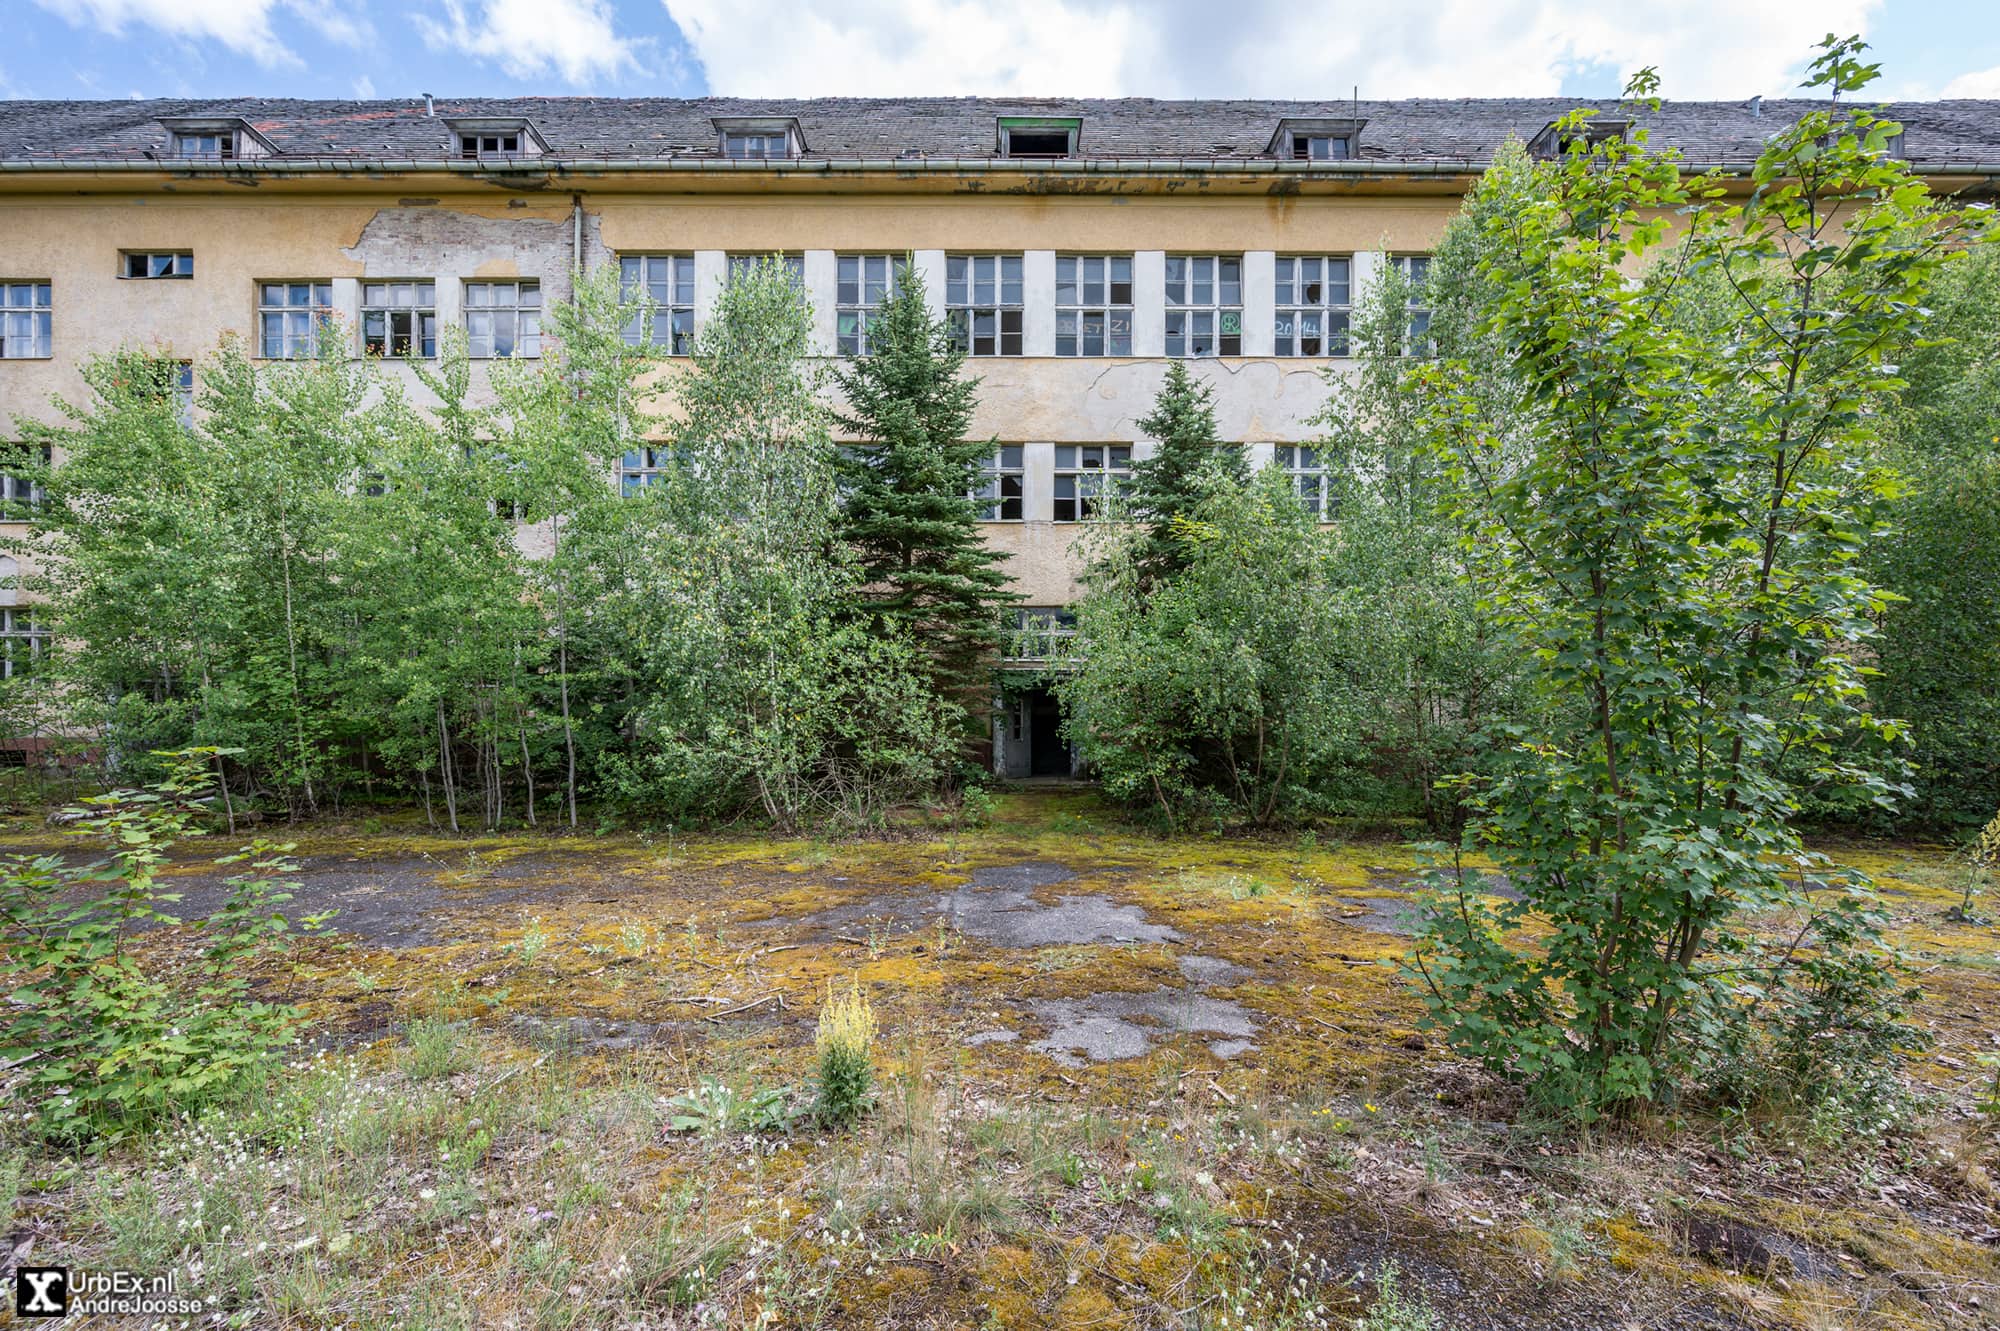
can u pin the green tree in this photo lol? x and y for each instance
(1678, 522)
(759, 689)
(1938, 661)
(1428, 673)
(1216, 694)
(909, 514)
(1168, 486)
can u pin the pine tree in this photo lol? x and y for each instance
(910, 516)
(1167, 485)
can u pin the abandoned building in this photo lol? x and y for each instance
(1074, 245)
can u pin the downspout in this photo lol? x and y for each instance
(576, 233)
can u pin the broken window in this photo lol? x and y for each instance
(22, 643)
(25, 319)
(658, 289)
(983, 302)
(399, 320)
(1416, 270)
(291, 317)
(1204, 305)
(756, 144)
(1094, 305)
(1036, 136)
(503, 319)
(1313, 300)
(1306, 467)
(864, 283)
(472, 147)
(160, 266)
(1322, 147)
(205, 145)
(1086, 476)
(20, 490)
(1001, 480)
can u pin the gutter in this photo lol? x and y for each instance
(507, 172)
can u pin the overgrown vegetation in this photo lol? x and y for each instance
(102, 1041)
(1678, 510)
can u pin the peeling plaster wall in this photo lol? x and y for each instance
(365, 229)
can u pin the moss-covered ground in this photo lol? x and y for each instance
(491, 1125)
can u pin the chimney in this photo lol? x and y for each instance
(1757, 105)
(429, 108)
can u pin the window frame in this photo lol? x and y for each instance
(320, 312)
(735, 263)
(643, 467)
(36, 313)
(1084, 500)
(1183, 315)
(855, 343)
(21, 498)
(421, 314)
(1311, 479)
(1037, 628)
(766, 138)
(1006, 462)
(1043, 128)
(964, 305)
(1417, 335)
(225, 145)
(179, 267)
(527, 341)
(680, 341)
(1340, 147)
(17, 625)
(1288, 274)
(1081, 306)
(472, 144)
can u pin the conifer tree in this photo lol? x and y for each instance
(910, 516)
(1165, 486)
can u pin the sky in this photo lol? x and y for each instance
(1721, 49)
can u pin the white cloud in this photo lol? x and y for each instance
(241, 25)
(1723, 49)
(528, 38)
(1979, 83)
(364, 88)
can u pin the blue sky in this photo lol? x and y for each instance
(1166, 48)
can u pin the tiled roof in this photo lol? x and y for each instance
(585, 129)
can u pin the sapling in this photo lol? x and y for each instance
(846, 1033)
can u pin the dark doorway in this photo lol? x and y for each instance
(1049, 756)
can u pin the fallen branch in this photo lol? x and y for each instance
(779, 999)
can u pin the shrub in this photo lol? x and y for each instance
(846, 1033)
(100, 1044)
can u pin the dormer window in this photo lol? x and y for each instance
(219, 146)
(495, 140)
(1322, 147)
(1316, 140)
(489, 145)
(760, 138)
(214, 140)
(1558, 139)
(1039, 136)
